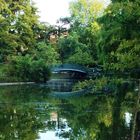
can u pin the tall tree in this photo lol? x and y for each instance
(84, 15)
(17, 19)
(86, 11)
(118, 43)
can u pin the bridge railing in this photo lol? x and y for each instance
(69, 66)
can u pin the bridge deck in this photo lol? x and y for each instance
(69, 67)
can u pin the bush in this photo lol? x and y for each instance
(34, 66)
(27, 69)
(39, 71)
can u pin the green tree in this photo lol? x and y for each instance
(34, 67)
(118, 43)
(17, 19)
(84, 12)
(72, 51)
(46, 52)
(82, 57)
(84, 15)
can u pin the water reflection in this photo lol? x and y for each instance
(30, 113)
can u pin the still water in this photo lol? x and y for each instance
(31, 113)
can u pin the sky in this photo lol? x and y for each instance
(51, 10)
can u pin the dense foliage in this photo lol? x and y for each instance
(118, 42)
(98, 34)
(17, 20)
(23, 42)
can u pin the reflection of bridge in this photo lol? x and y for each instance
(61, 84)
(77, 93)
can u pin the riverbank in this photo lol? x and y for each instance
(16, 83)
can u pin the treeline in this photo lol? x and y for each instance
(24, 47)
(99, 34)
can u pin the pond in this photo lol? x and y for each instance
(31, 113)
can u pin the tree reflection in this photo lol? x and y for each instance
(19, 122)
(101, 117)
(25, 112)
